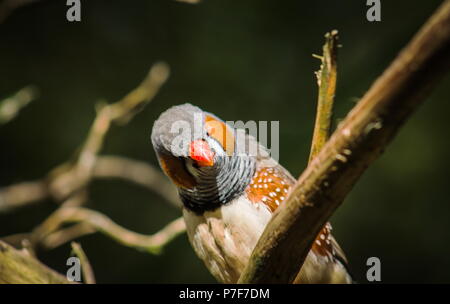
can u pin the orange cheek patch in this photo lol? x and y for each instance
(176, 171)
(221, 132)
(269, 186)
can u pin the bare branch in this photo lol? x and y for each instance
(70, 178)
(65, 235)
(101, 223)
(326, 80)
(68, 183)
(10, 107)
(106, 167)
(88, 273)
(136, 100)
(357, 142)
(138, 172)
(22, 194)
(18, 267)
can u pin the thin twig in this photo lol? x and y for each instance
(68, 183)
(10, 107)
(65, 235)
(357, 142)
(22, 194)
(88, 273)
(101, 223)
(70, 178)
(106, 167)
(138, 172)
(326, 80)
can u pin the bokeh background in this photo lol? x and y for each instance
(242, 60)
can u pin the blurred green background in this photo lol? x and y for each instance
(242, 60)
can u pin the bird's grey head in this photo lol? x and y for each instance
(198, 152)
(176, 128)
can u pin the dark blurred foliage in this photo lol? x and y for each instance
(242, 60)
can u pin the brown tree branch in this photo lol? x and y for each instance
(71, 176)
(65, 235)
(106, 167)
(18, 267)
(22, 194)
(10, 107)
(326, 81)
(88, 273)
(101, 223)
(138, 172)
(357, 142)
(69, 181)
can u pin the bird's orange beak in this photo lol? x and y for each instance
(201, 152)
